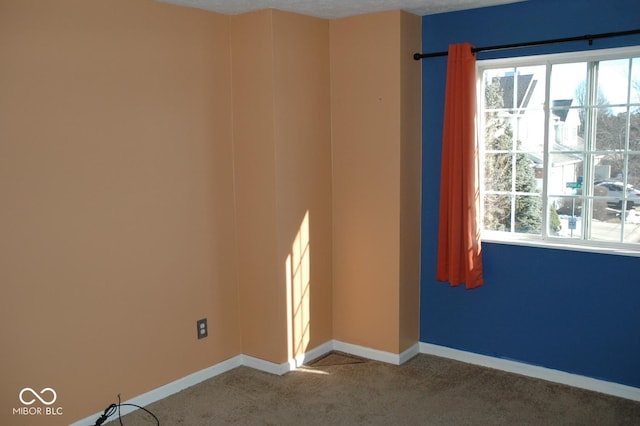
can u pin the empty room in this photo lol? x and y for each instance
(319, 212)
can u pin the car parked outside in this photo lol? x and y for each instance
(614, 189)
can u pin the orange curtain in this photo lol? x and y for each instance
(459, 251)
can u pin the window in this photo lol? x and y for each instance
(559, 143)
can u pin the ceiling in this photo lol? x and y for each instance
(331, 9)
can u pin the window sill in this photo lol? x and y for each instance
(562, 244)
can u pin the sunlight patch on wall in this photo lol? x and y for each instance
(298, 267)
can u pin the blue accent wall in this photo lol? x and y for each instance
(572, 311)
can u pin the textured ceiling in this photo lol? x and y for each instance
(338, 8)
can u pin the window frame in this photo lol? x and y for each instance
(544, 239)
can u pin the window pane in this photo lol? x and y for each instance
(568, 206)
(632, 226)
(529, 90)
(497, 173)
(494, 93)
(554, 225)
(613, 81)
(528, 130)
(528, 209)
(633, 197)
(606, 228)
(634, 132)
(569, 82)
(497, 212)
(498, 134)
(515, 88)
(566, 125)
(526, 166)
(605, 203)
(569, 210)
(565, 173)
(611, 129)
(602, 169)
(634, 171)
(635, 82)
(608, 166)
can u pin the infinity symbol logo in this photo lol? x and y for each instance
(34, 393)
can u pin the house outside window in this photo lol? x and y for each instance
(559, 144)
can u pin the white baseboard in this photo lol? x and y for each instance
(266, 366)
(556, 376)
(409, 353)
(258, 364)
(312, 354)
(375, 354)
(170, 388)
(331, 345)
(292, 364)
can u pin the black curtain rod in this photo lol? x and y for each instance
(588, 37)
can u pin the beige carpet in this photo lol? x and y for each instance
(343, 390)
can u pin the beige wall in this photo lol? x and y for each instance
(116, 201)
(410, 178)
(375, 131)
(303, 179)
(283, 174)
(261, 295)
(161, 164)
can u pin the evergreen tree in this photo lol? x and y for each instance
(528, 207)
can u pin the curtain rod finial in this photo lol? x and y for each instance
(417, 56)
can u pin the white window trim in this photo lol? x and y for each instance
(529, 240)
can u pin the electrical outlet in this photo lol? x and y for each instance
(202, 328)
